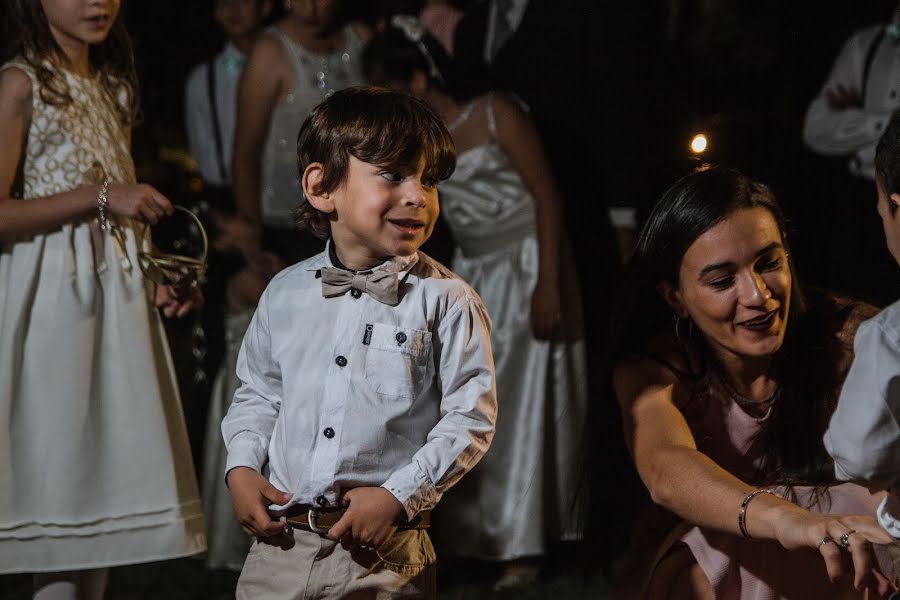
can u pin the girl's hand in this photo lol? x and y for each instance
(138, 201)
(236, 235)
(798, 529)
(175, 302)
(546, 310)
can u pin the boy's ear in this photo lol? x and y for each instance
(672, 297)
(895, 198)
(311, 183)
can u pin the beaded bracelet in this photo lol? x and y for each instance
(103, 205)
(742, 515)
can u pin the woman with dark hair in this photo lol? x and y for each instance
(727, 374)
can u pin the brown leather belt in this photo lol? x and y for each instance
(320, 520)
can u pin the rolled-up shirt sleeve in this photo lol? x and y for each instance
(248, 426)
(468, 410)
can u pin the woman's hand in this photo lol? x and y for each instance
(236, 235)
(138, 201)
(177, 302)
(546, 310)
(800, 528)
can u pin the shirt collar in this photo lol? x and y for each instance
(401, 265)
(231, 58)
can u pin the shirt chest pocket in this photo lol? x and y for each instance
(396, 360)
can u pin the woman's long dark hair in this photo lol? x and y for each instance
(28, 36)
(808, 362)
(391, 57)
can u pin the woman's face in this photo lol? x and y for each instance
(735, 285)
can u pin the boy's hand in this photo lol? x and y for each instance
(251, 495)
(371, 518)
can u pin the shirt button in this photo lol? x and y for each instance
(401, 337)
(356, 293)
(322, 501)
(341, 361)
(329, 432)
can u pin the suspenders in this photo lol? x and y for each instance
(870, 58)
(214, 112)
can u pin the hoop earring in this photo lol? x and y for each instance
(676, 322)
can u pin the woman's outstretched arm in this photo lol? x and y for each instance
(690, 484)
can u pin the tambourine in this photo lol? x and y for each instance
(176, 270)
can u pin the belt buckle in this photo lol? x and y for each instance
(312, 519)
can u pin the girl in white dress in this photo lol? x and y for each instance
(95, 466)
(503, 208)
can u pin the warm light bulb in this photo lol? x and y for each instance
(698, 144)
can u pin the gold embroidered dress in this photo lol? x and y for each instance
(95, 466)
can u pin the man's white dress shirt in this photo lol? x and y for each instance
(855, 131)
(864, 434)
(198, 113)
(346, 391)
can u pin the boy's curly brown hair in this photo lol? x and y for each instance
(377, 126)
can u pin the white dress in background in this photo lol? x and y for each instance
(316, 76)
(228, 544)
(519, 496)
(95, 465)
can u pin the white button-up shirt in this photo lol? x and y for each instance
(228, 66)
(855, 131)
(864, 434)
(346, 391)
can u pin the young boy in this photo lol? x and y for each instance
(864, 434)
(367, 376)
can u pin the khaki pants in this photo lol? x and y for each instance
(308, 566)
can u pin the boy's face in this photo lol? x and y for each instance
(890, 219)
(240, 18)
(382, 212)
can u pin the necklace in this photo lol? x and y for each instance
(326, 72)
(744, 401)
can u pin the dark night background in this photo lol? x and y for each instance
(639, 77)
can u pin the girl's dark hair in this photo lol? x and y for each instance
(28, 35)
(808, 363)
(391, 57)
(378, 126)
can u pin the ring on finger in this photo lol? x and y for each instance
(825, 540)
(845, 538)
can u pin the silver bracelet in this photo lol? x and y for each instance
(103, 205)
(742, 515)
